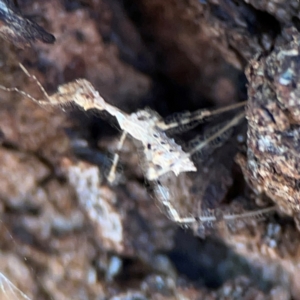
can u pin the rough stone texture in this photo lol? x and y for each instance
(285, 12)
(273, 124)
(200, 29)
(19, 30)
(128, 225)
(73, 236)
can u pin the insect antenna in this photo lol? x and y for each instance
(14, 89)
(33, 77)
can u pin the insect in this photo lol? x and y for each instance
(163, 157)
(162, 154)
(169, 187)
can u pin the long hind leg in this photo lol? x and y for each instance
(181, 122)
(216, 139)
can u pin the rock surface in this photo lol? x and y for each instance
(66, 233)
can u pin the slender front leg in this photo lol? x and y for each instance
(112, 173)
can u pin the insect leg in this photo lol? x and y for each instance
(181, 122)
(112, 173)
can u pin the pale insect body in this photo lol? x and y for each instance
(162, 154)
